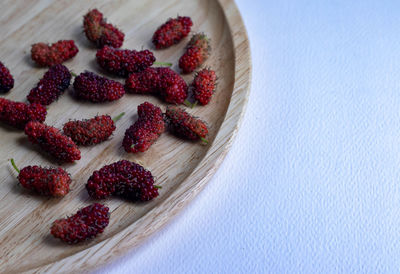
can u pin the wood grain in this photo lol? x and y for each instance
(181, 168)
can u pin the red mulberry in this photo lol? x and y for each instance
(45, 181)
(122, 62)
(100, 32)
(6, 79)
(90, 131)
(171, 32)
(146, 130)
(185, 125)
(86, 224)
(57, 53)
(54, 82)
(122, 178)
(53, 141)
(97, 89)
(204, 86)
(162, 81)
(17, 114)
(197, 51)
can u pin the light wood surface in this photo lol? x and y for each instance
(181, 168)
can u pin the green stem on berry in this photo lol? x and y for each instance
(165, 64)
(187, 103)
(119, 116)
(73, 73)
(204, 140)
(14, 165)
(158, 187)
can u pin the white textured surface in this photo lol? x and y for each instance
(312, 181)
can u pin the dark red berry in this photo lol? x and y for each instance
(90, 131)
(100, 32)
(171, 32)
(122, 62)
(6, 79)
(162, 81)
(122, 178)
(17, 114)
(185, 125)
(86, 224)
(45, 181)
(146, 130)
(97, 89)
(197, 51)
(53, 142)
(204, 86)
(57, 53)
(54, 82)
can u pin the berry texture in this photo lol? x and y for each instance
(171, 32)
(122, 178)
(6, 79)
(90, 131)
(54, 82)
(162, 81)
(53, 142)
(204, 86)
(97, 89)
(122, 62)
(86, 224)
(18, 114)
(57, 53)
(101, 33)
(184, 125)
(146, 130)
(197, 51)
(45, 181)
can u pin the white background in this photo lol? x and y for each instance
(311, 183)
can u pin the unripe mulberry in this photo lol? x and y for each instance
(197, 51)
(54, 82)
(18, 114)
(97, 89)
(122, 62)
(146, 130)
(86, 224)
(6, 79)
(122, 178)
(171, 32)
(44, 181)
(101, 33)
(53, 142)
(57, 53)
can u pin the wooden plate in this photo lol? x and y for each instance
(181, 168)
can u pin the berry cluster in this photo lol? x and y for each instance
(123, 178)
